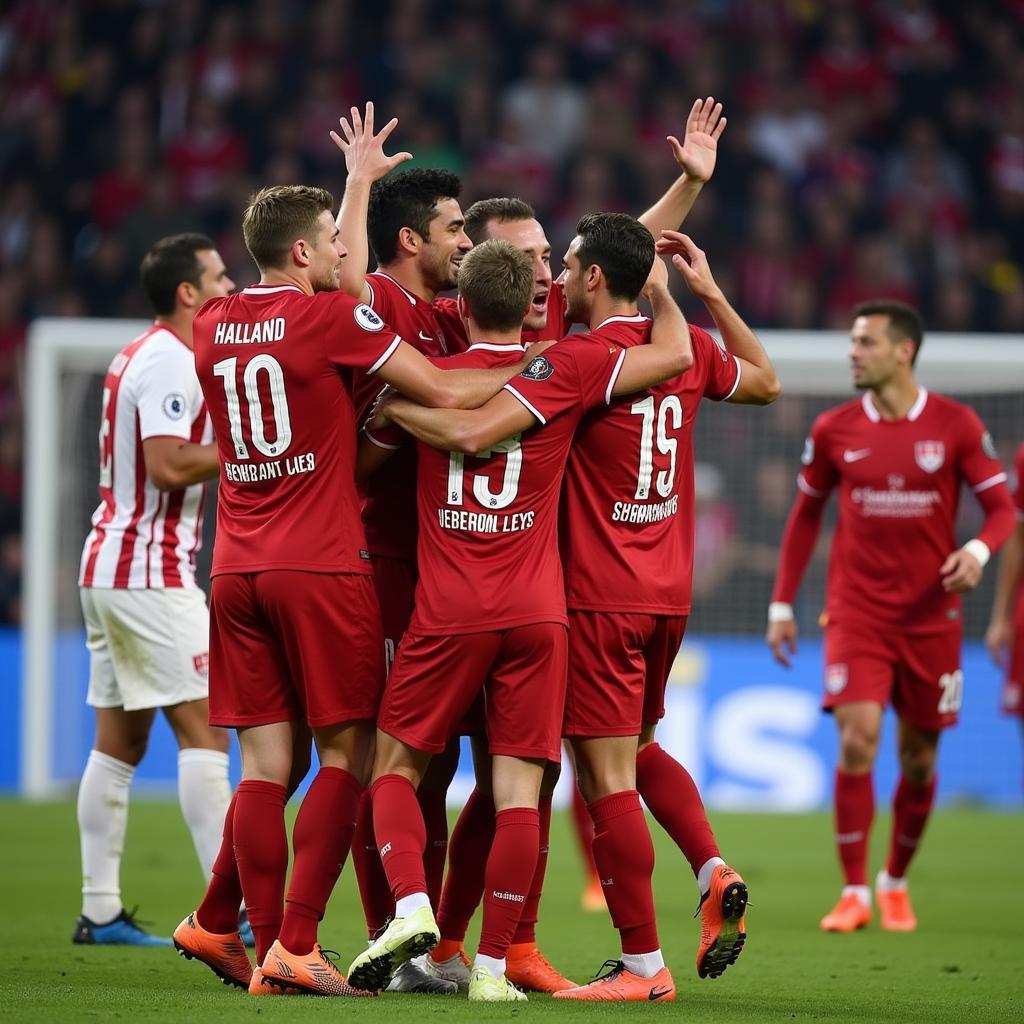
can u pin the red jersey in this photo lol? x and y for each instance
(488, 547)
(389, 495)
(899, 487)
(556, 326)
(273, 364)
(1018, 507)
(627, 506)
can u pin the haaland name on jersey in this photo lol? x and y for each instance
(259, 333)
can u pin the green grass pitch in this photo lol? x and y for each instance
(965, 962)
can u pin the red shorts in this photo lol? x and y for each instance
(619, 663)
(436, 679)
(395, 582)
(288, 646)
(1012, 700)
(919, 674)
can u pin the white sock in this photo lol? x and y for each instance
(643, 965)
(886, 882)
(204, 793)
(862, 892)
(707, 869)
(410, 904)
(102, 821)
(493, 965)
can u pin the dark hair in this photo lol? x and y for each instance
(621, 246)
(496, 280)
(407, 199)
(169, 262)
(501, 209)
(279, 215)
(904, 320)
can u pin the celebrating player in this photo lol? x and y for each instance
(147, 625)
(478, 620)
(627, 549)
(892, 617)
(292, 599)
(1005, 635)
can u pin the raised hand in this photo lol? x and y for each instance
(699, 149)
(364, 152)
(689, 260)
(657, 278)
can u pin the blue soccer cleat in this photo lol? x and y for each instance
(124, 930)
(245, 930)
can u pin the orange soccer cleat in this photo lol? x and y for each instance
(313, 973)
(529, 969)
(849, 914)
(894, 906)
(224, 954)
(622, 986)
(259, 986)
(722, 924)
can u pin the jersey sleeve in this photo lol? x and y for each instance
(354, 335)
(167, 394)
(568, 375)
(977, 458)
(723, 369)
(818, 474)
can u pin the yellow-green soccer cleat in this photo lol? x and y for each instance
(404, 938)
(485, 988)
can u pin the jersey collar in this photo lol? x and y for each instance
(912, 414)
(485, 346)
(413, 300)
(639, 318)
(271, 289)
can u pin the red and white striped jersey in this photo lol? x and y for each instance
(142, 537)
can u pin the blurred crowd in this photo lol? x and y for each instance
(873, 147)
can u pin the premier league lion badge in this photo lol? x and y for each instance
(930, 455)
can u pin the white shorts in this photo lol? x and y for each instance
(147, 648)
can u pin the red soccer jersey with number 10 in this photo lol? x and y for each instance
(274, 366)
(488, 547)
(899, 487)
(627, 504)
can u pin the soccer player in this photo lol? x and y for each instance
(627, 550)
(295, 628)
(490, 603)
(1005, 635)
(899, 456)
(147, 625)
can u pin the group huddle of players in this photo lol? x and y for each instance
(499, 544)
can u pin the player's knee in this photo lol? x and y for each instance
(857, 749)
(917, 765)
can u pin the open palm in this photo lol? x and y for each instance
(699, 149)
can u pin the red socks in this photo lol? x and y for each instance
(584, 830)
(910, 809)
(261, 853)
(507, 880)
(321, 840)
(401, 835)
(433, 804)
(624, 855)
(526, 930)
(218, 913)
(854, 812)
(468, 849)
(374, 891)
(672, 797)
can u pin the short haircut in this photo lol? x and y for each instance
(621, 246)
(168, 263)
(407, 199)
(278, 216)
(501, 209)
(904, 320)
(496, 280)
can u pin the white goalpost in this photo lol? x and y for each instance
(67, 359)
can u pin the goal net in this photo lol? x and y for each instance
(747, 461)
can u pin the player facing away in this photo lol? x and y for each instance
(898, 456)
(147, 625)
(627, 550)
(295, 627)
(1005, 635)
(490, 606)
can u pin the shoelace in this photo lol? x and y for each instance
(615, 968)
(331, 958)
(129, 918)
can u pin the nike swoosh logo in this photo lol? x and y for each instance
(425, 337)
(856, 456)
(657, 993)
